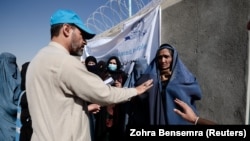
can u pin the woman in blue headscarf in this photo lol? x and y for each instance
(171, 80)
(10, 89)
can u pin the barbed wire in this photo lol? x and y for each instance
(114, 12)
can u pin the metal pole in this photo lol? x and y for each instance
(248, 81)
(130, 8)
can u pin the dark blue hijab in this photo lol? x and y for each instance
(10, 90)
(156, 106)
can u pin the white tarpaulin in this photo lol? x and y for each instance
(139, 38)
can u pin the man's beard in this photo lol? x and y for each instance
(75, 51)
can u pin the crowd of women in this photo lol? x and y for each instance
(171, 100)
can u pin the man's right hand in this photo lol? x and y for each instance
(144, 86)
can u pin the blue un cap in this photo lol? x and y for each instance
(68, 16)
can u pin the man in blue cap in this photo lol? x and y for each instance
(58, 86)
(68, 19)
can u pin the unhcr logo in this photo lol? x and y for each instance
(137, 31)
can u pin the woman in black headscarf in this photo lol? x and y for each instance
(24, 121)
(91, 64)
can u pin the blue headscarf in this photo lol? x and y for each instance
(156, 106)
(10, 89)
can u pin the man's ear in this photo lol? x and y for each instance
(67, 30)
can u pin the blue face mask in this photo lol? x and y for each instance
(112, 67)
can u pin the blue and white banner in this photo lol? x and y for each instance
(139, 38)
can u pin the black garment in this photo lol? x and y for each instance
(117, 131)
(26, 129)
(100, 128)
(119, 122)
(92, 68)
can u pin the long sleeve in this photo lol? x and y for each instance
(202, 121)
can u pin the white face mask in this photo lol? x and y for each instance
(112, 67)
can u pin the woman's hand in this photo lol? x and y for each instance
(187, 112)
(94, 108)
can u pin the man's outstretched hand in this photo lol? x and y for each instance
(144, 86)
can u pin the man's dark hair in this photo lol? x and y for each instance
(54, 30)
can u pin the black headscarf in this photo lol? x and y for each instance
(23, 75)
(91, 68)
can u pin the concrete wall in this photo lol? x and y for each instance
(211, 37)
